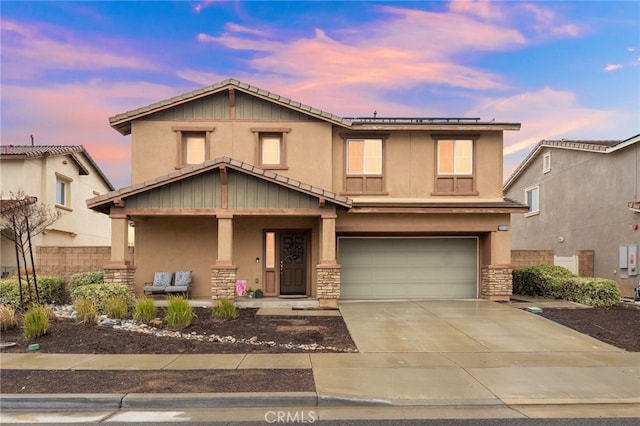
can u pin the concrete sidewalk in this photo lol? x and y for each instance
(460, 353)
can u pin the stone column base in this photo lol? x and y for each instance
(121, 274)
(497, 282)
(223, 282)
(328, 285)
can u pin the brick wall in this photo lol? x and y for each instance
(585, 263)
(522, 258)
(66, 261)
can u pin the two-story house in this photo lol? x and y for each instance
(63, 178)
(237, 183)
(582, 195)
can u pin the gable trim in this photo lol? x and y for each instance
(104, 202)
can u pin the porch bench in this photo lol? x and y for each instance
(169, 283)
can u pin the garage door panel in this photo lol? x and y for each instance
(389, 268)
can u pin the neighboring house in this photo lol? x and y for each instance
(238, 183)
(582, 195)
(63, 178)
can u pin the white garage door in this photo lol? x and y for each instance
(415, 268)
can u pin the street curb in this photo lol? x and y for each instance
(61, 401)
(151, 401)
(219, 400)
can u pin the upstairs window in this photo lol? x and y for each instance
(193, 144)
(546, 162)
(63, 191)
(194, 147)
(532, 199)
(455, 157)
(271, 147)
(364, 166)
(455, 170)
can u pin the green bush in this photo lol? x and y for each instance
(225, 310)
(116, 307)
(592, 291)
(86, 278)
(144, 310)
(86, 311)
(541, 280)
(100, 293)
(179, 313)
(35, 322)
(50, 290)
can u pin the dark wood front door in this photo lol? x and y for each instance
(293, 263)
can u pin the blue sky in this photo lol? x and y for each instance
(562, 69)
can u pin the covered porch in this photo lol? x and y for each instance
(227, 221)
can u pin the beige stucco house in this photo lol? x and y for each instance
(237, 183)
(63, 178)
(582, 195)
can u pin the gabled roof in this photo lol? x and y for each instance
(103, 202)
(36, 151)
(597, 146)
(122, 122)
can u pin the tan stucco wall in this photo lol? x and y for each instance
(308, 147)
(410, 161)
(78, 226)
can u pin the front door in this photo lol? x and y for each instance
(293, 263)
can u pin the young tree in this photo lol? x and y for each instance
(22, 219)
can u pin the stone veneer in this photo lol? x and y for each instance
(223, 282)
(328, 285)
(497, 282)
(121, 275)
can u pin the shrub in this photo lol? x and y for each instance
(35, 322)
(541, 280)
(116, 307)
(7, 318)
(225, 310)
(179, 313)
(50, 290)
(144, 310)
(86, 311)
(592, 291)
(100, 293)
(86, 278)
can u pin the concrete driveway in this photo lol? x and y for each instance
(457, 326)
(448, 352)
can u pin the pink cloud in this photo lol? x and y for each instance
(77, 114)
(29, 49)
(547, 23)
(613, 67)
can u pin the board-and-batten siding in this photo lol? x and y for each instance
(204, 192)
(217, 107)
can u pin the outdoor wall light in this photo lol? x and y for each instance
(257, 260)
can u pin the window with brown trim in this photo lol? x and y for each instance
(455, 166)
(271, 147)
(364, 165)
(192, 145)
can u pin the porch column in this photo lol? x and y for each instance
(224, 272)
(497, 282)
(328, 271)
(119, 270)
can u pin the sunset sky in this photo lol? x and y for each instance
(562, 69)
